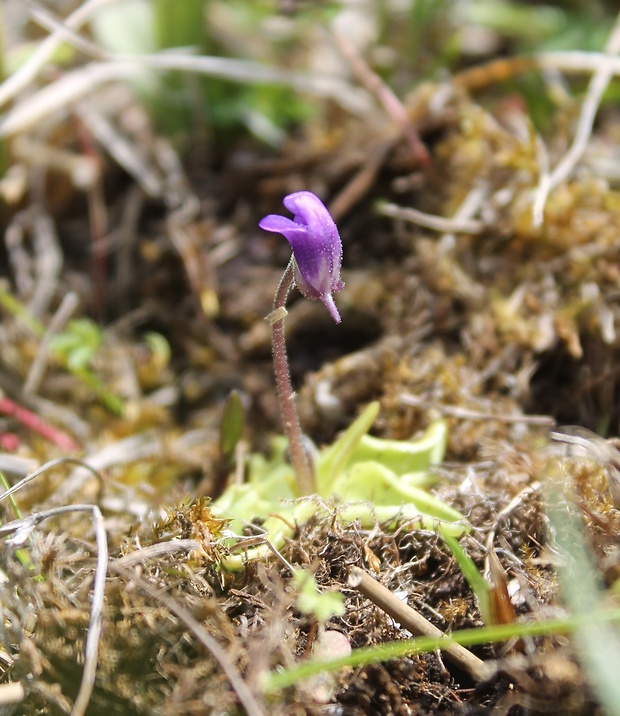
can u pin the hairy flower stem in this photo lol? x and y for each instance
(304, 472)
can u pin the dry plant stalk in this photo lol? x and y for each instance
(414, 621)
(596, 89)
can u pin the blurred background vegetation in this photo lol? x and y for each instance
(405, 41)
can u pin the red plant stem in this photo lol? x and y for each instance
(388, 98)
(33, 422)
(306, 483)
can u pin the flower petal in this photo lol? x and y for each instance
(319, 255)
(281, 225)
(310, 211)
(316, 245)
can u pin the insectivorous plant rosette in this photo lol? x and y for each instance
(367, 480)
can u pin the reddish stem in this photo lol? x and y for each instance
(304, 472)
(33, 422)
(388, 98)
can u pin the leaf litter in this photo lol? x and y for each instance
(497, 315)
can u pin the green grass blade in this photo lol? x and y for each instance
(476, 581)
(277, 680)
(598, 647)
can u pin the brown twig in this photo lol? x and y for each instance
(474, 79)
(415, 622)
(362, 180)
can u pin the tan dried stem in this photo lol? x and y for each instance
(414, 621)
(430, 221)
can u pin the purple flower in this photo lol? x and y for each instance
(317, 248)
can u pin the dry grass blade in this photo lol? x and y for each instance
(516, 502)
(362, 181)
(428, 221)
(37, 369)
(61, 30)
(48, 466)
(246, 697)
(81, 82)
(20, 79)
(457, 411)
(578, 62)
(596, 89)
(16, 465)
(121, 150)
(135, 447)
(49, 262)
(471, 205)
(156, 551)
